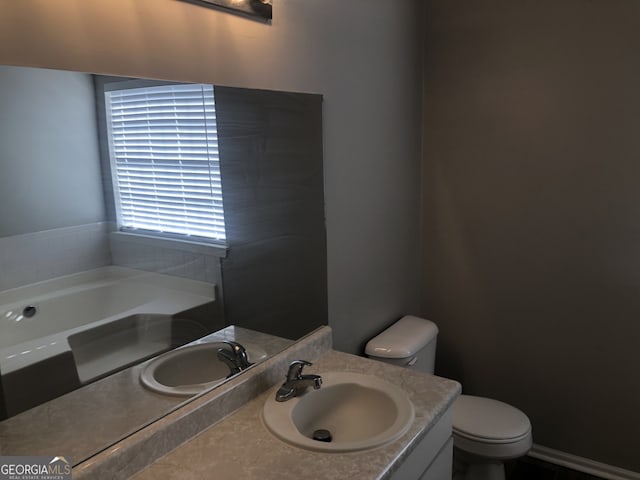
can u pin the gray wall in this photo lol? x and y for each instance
(361, 55)
(47, 126)
(532, 212)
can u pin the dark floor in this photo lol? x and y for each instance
(527, 468)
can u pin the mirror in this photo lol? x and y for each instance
(85, 305)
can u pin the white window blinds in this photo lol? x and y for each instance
(164, 159)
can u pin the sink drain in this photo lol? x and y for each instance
(322, 435)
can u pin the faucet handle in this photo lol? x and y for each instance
(295, 369)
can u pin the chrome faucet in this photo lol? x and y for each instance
(296, 383)
(235, 358)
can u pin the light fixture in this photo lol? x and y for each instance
(254, 8)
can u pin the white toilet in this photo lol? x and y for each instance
(485, 432)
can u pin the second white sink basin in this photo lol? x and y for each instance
(192, 369)
(359, 411)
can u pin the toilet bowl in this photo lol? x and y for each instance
(486, 432)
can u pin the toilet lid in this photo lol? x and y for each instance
(488, 420)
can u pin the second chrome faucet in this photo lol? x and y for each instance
(296, 383)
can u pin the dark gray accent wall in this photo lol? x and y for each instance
(531, 213)
(275, 274)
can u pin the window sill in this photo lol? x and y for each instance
(174, 244)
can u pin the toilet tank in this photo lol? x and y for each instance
(410, 342)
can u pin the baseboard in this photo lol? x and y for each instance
(581, 464)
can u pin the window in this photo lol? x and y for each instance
(164, 161)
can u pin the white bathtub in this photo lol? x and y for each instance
(107, 318)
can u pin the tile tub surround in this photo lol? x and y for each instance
(85, 421)
(240, 446)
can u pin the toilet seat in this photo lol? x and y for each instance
(490, 428)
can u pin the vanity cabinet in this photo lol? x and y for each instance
(432, 458)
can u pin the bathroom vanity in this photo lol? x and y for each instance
(221, 433)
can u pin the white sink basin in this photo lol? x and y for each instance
(192, 369)
(359, 411)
